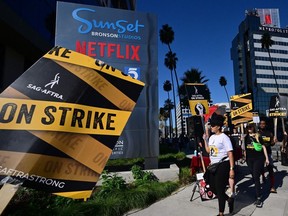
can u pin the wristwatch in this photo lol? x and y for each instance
(231, 168)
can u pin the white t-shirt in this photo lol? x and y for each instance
(219, 146)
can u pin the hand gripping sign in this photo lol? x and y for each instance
(60, 120)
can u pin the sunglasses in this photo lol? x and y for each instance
(213, 125)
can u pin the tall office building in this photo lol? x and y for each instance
(251, 64)
(186, 113)
(28, 32)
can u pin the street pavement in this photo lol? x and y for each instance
(179, 204)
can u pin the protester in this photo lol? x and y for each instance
(236, 137)
(183, 142)
(256, 157)
(220, 147)
(268, 141)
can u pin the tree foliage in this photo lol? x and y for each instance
(193, 76)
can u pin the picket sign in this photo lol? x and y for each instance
(6, 193)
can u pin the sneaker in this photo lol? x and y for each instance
(273, 190)
(258, 203)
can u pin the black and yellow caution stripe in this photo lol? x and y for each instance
(241, 97)
(242, 110)
(73, 57)
(70, 87)
(241, 120)
(24, 165)
(71, 90)
(76, 194)
(66, 188)
(82, 148)
(24, 141)
(100, 84)
(21, 114)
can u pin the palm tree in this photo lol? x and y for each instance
(167, 86)
(193, 76)
(164, 116)
(170, 63)
(169, 105)
(223, 82)
(266, 43)
(167, 37)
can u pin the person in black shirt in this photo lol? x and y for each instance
(256, 158)
(268, 141)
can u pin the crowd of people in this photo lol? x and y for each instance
(251, 146)
(255, 150)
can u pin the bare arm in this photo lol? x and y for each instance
(205, 138)
(266, 155)
(231, 161)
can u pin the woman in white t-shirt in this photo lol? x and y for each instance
(220, 148)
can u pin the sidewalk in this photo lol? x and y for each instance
(178, 204)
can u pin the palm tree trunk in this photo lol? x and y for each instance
(165, 129)
(227, 96)
(174, 98)
(170, 119)
(181, 112)
(170, 124)
(277, 87)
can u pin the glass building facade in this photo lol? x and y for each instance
(253, 71)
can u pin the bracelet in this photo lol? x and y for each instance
(231, 168)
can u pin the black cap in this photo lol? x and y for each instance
(217, 120)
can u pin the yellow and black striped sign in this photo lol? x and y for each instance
(60, 120)
(21, 114)
(241, 108)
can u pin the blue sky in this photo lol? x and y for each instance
(204, 31)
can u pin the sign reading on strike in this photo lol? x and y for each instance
(60, 120)
(241, 108)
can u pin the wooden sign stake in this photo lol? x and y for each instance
(6, 193)
(275, 126)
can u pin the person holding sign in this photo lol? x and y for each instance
(256, 155)
(220, 150)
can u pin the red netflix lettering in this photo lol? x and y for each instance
(135, 50)
(110, 50)
(91, 49)
(119, 52)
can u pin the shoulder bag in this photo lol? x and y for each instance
(257, 146)
(213, 167)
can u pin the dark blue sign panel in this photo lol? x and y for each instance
(126, 40)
